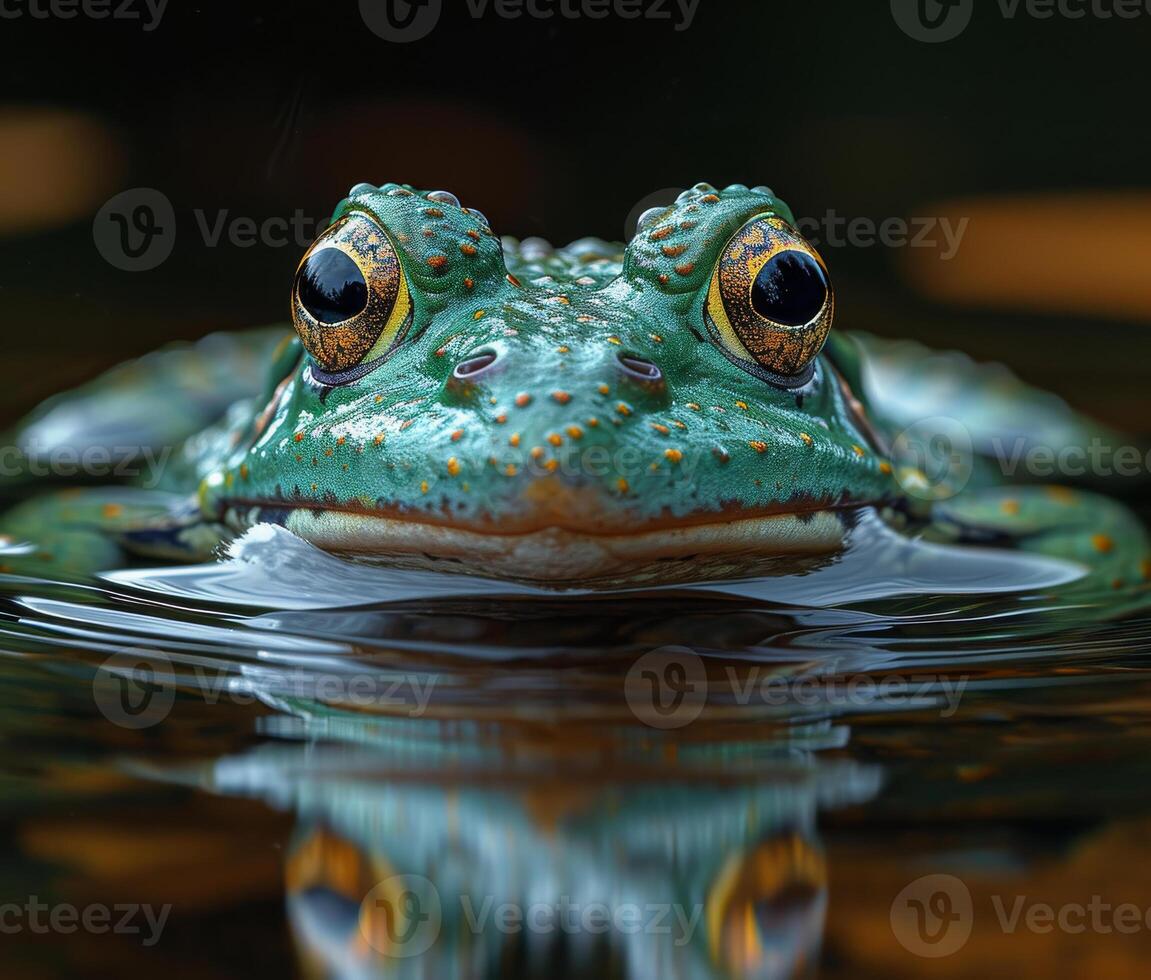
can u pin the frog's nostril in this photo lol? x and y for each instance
(476, 364)
(640, 369)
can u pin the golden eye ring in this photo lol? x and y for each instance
(350, 300)
(770, 306)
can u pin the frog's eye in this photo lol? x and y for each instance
(770, 305)
(350, 302)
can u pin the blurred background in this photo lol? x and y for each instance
(1028, 131)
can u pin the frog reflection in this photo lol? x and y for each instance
(408, 865)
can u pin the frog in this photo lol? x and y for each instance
(676, 408)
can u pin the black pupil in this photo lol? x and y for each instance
(791, 289)
(331, 287)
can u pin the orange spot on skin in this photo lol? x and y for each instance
(299, 437)
(1102, 543)
(710, 199)
(674, 251)
(341, 440)
(501, 418)
(666, 231)
(656, 337)
(885, 468)
(1062, 495)
(622, 485)
(663, 430)
(327, 452)
(562, 397)
(433, 212)
(457, 435)
(685, 269)
(380, 398)
(514, 440)
(1010, 507)
(378, 439)
(673, 455)
(112, 510)
(664, 278)
(758, 446)
(474, 235)
(1145, 569)
(623, 409)
(603, 389)
(614, 340)
(1117, 583)
(454, 466)
(244, 469)
(694, 406)
(469, 283)
(479, 314)
(523, 399)
(556, 439)
(511, 469)
(807, 440)
(537, 452)
(742, 405)
(424, 486)
(468, 249)
(593, 422)
(438, 262)
(515, 282)
(858, 450)
(552, 465)
(563, 349)
(575, 431)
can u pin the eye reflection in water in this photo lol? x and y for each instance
(408, 863)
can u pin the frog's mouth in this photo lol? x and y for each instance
(709, 545)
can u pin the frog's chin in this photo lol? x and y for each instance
(561, 556)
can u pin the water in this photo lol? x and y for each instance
(891, 766)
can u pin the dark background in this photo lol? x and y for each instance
(559, 128)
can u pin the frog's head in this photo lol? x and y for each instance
(561, 415)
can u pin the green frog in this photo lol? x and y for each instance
(677, 409)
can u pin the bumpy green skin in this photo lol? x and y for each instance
(558, 411)
(557, 433)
